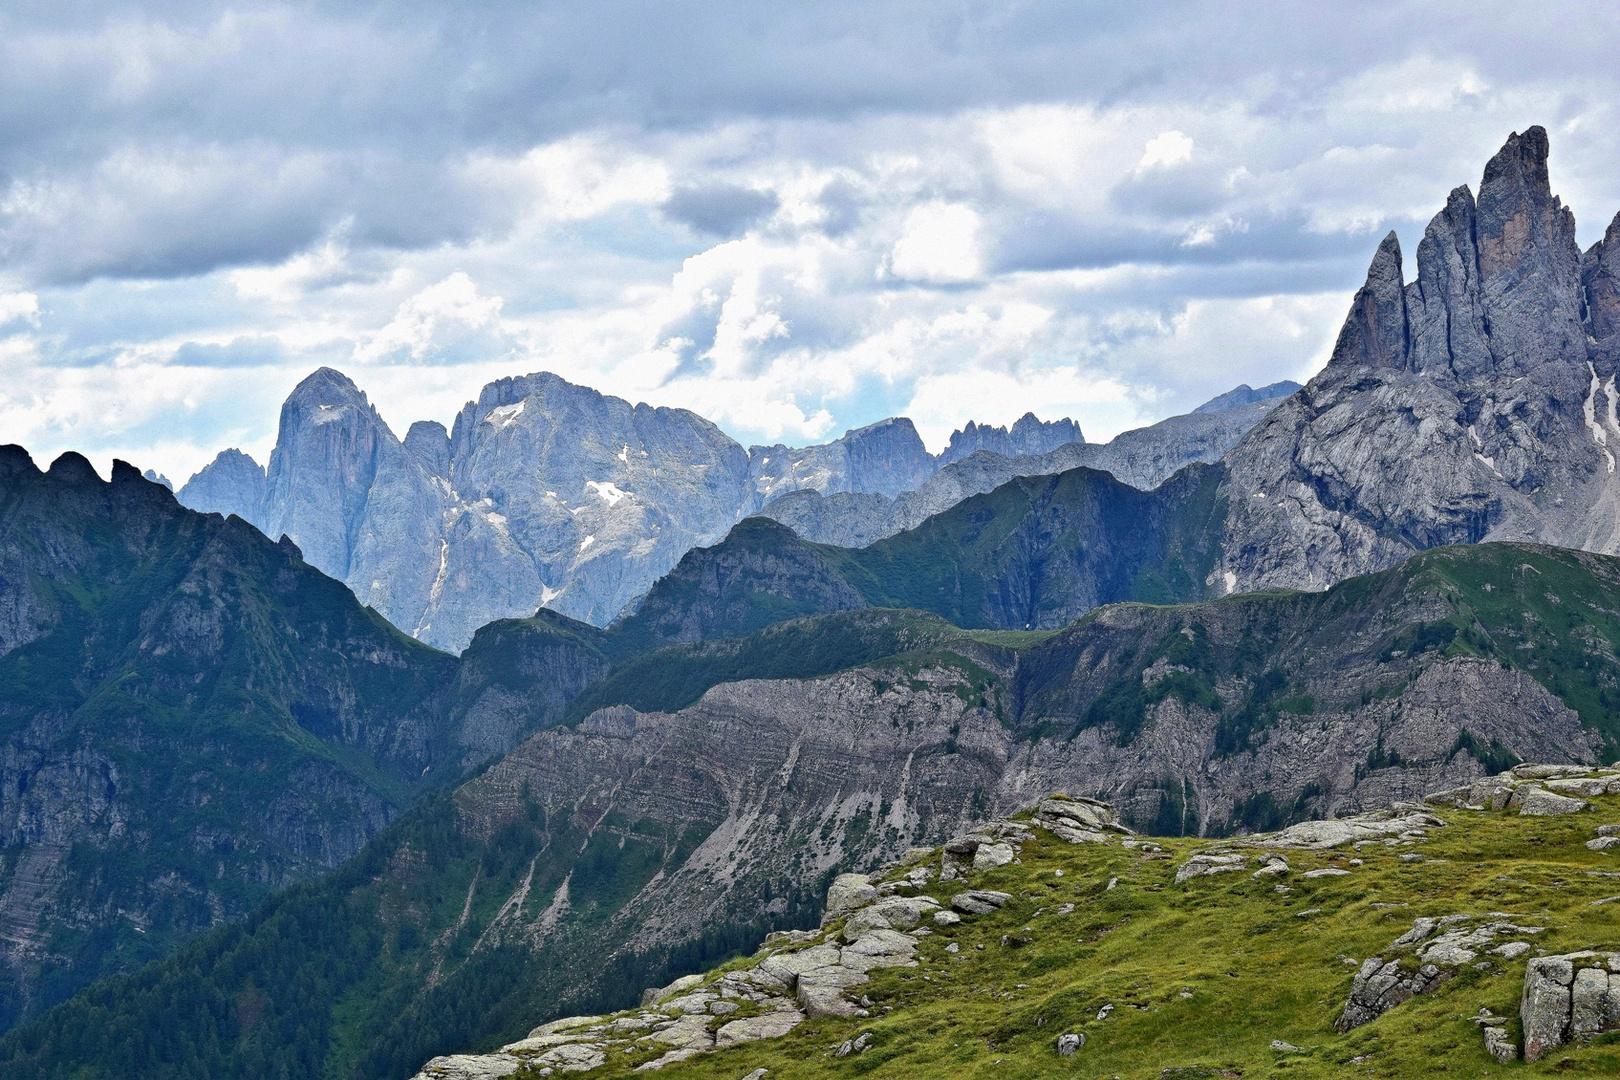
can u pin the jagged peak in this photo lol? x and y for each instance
(1522, 161)
(1375, 332)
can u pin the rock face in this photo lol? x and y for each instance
(885, 458)
(1475, 402)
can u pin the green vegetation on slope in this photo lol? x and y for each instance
(391, 959)
(1204, 976)
(674, 677)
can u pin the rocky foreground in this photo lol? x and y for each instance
(918, 960)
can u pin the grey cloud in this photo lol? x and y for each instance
(720, 210)
(387, 99)
(241, 352)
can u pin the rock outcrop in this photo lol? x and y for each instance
(1574, 997)
(1426, 956)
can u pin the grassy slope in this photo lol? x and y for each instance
(1203, 976)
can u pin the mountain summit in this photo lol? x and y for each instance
(1475, 402)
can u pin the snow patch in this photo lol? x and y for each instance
(1231, 581)
(504, 414)
(608, 490)
(548, 594)
(1589, 411)
(328, 414)
(587, 542)
(624, 455)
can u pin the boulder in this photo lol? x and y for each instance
(990, 856)
(848, 892)
(979, 901)
(1068, 1044)
(1574, 997)
(1204, 865)
(1539, 802)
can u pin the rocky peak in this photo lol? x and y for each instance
(428, 443)
(1490, 420)
(322, 468)
(1529, 263)
(233, 483)
(73, 468)
(1375, 332)
(1029, 435)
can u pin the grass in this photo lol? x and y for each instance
(1204, 976)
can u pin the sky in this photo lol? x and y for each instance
(791, 218)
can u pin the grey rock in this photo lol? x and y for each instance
(1500, 1045)
(1068, 1044)
(1539, 802)
(1203, 865)
(979, 901)
(988, 856)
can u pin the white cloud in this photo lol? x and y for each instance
(1166, 149)
(939, 243)
(452, 305)
(15, 306)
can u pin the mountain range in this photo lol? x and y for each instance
(1397, 578)
(547, 494)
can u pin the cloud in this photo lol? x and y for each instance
(723, 210)
(939, 243)
(794, 220)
